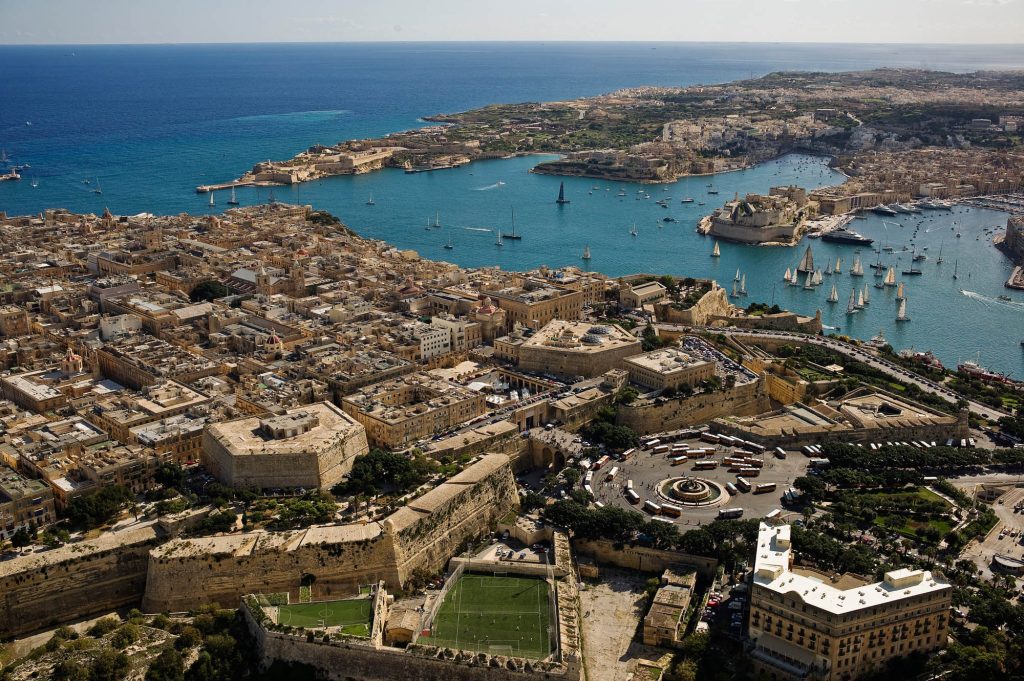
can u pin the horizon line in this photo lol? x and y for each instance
(510, 41)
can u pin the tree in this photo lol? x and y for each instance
(109, 665)
(21, 538)
(70, 670)
(208, 290)
(380, 471)
(95, 509)
(168, 666)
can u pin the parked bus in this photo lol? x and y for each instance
(773, 514)
(705, 465)
(612, 473)
(709, 437)
(669, 509)
(601, 462)
(589, 490)
(661, 449)
(817, 463)
(742, 484)
(730, 513)
(678, 460)
(764, 488)
(632, 497)
(750, 472)
(651, 507)
(663, 520)
(598, 504)
(650, 444)
(629, 484)
(754, 463)
(626, 454)
(731, 489)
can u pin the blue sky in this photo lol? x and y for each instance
(184, 21)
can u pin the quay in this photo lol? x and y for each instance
(206, 188)
(1016, 280)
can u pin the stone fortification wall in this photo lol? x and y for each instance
(429, 530)
(38, 591)
(185, 573)
(641, 558)
(345, 661)
(748, 399)
(714, 303)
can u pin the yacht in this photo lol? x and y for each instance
(851, 307)
(833, 296)
(633, 231)
(233, 201)
(717, 252)
(586, 252)
(858, 269)
(899, 292)
(512, 235)
(561, 200)
(211, 204)
(901, 314)
(370, 201)
(448, 246)
(846, 236)
(98, 189)
(687, 200)
(882, 209)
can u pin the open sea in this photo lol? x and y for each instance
(149, 123)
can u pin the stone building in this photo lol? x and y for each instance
(23, 503)
(576, 349)
(668, 368)
(536, 303)
(311, 446)
(401, 411)
(804, 623)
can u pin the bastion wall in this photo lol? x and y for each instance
(747, 399)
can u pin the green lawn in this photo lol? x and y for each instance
(500, 615)
(353, 615)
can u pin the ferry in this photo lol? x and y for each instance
(846, 236)
(975, 370)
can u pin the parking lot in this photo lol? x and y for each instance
(647, 470)
(1005, 538)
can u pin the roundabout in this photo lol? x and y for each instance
(692, 491)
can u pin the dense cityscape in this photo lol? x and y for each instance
(256, 444)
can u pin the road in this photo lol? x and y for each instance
(890, 369)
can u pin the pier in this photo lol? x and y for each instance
(206, 188)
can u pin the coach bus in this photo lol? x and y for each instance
(669, 509)
(652, 507)
(742, 484)
(764, 487)
(632, 497)
(730, 513)
(705, 465)
(679, 460)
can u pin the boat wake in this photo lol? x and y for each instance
(987, 299)
(478, 229)
(489, 187)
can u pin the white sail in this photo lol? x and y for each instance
(899, 292)
(867, 296)
(716, 252)
(794, 280)
(901, 315)
(737, 277)
(789, 274)
(860, 300)
(839, 266)
(817, 277)
(743, 285)
(733, 295)
(828, 268)
(211, 200)
(858, 269)
(852, 306)
(833, 297)
(586, 252)
(890, 276)
(809, 282)
(806, 262)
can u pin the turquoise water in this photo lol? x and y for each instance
(473, 201)
(152, 122)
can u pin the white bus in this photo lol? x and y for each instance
(730, 513)
(651, 507)
(632, 497)
(773, 515)
(612, 473)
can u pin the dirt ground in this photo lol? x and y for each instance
(612, 612)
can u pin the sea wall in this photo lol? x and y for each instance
(42, 590)
(654, 417)
(335, 560)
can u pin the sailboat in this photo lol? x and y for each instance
(956, 274)
(890, 277)
(839, 266)
(939, 261)
(860, 301)
(512, 235)
(426, 228)
(833, 297)
(211, 204)
(586, 252)
(899, 292)
(788, 274)
(737, 277)
(828, 268)
(633, 232)
(901, 314)
(98, 189)
(561, 194)
(743, 285)
(866, 295)
(370, 201)
(851, 307)
(716, 252)
(498, 241)
(806, 262)
(809, 282)
(232, 201)
(795, 279)
(858, 269)
(817, 278)
(437, 220)
(448, 246)
(734, 294)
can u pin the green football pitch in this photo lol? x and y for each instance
(498, 615)
(353, 616)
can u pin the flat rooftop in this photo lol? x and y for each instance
(666, 361)
(315, 426)
(581, 337)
